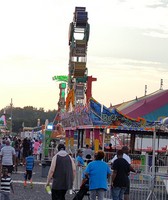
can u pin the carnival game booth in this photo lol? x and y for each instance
(89, 122)
(89, 125)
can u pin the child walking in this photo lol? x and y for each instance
(6, 183)
(29, 170)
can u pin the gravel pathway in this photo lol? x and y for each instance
(38, 192)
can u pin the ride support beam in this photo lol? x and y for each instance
(89, 87)
(96, 139)
(132, 143)
(67, 138)
(72, 138)
(87, 140)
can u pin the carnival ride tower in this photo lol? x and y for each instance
(62, 86)
(78, 39)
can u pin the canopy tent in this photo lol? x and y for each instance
(152, 107)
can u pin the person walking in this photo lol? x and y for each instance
(16, 146)
(35, 148)
(119, 181)
(25, 149)
(8, 157)
(97, 171)
(79, 159)
(6, 184)
(125, 150)
(62, 171)
(87, 151)
(29, 169)
(39, 153)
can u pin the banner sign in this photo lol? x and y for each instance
(75, 119)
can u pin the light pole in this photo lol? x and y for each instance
(153, 149)
(157, 126)
(11, 115)
(151, 193)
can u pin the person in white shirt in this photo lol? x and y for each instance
(8, 157)
(87, 151)
(125, 156)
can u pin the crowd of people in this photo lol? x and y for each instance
(22, 147)
(96, 172)
(15, 152)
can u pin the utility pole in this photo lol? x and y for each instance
(145, 90)
(161, 84)
(11, 115)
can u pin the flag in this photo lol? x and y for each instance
(3, 120)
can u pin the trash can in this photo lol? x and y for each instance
(45, 167)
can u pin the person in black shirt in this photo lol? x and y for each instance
(26, 149)
(62, 173)
(120, 181)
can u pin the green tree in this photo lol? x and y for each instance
(29, 115)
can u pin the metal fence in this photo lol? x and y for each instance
(78, 177)
(146, 159)
(142, 186)
(139, 186)
(145, 186)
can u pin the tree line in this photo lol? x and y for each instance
(27, 116)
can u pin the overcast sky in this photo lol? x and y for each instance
(127, 49)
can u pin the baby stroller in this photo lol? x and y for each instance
(84, 188)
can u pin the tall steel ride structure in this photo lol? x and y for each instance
(78, 39)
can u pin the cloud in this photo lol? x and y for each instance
(122, 1)
(158, 4)
(156, 33)
(130, 43)
(118, 64)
